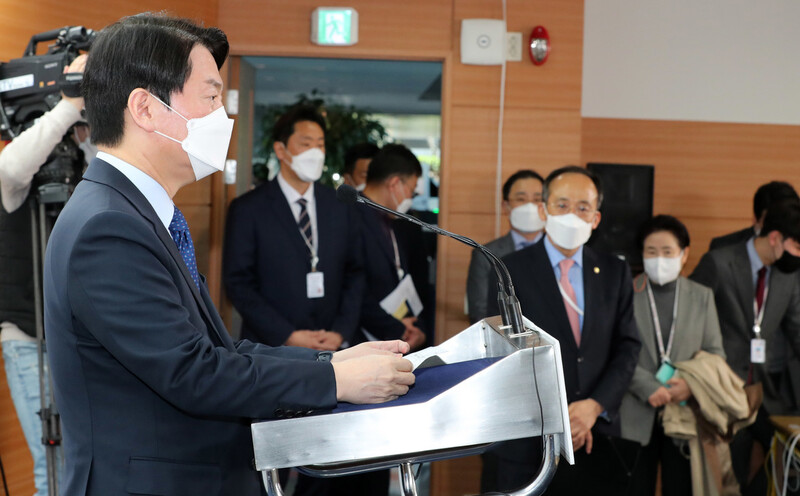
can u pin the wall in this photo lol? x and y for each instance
(714, 61)
(685, 87)
(705, 173)
(542, 115)
(18, 22)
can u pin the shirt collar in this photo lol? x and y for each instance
(520, 242)
(154, 193)
(556, 256)
(752, 254)
(292, 195)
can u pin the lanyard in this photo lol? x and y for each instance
(568, 299)
(314, 257)
(759, 314)
(397, 264)
(657, 324)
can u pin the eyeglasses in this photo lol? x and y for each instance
(563, 207)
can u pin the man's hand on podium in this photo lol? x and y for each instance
(372, 372)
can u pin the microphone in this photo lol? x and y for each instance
(507, 301)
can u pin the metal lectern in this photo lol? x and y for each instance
(475, 389)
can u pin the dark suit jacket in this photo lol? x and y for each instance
(381, 272)
(732, 238)
(377, 255)
(266, 260)
(153, 394)
(602, 367)
(480, 275)
(728, 273)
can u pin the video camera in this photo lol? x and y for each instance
(32, 85)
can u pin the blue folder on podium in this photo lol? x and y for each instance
(475, 389)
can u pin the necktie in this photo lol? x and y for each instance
(304, 223)
(179, 230)
(760, 286)
(572, 314)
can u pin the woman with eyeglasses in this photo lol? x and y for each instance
(676, 318)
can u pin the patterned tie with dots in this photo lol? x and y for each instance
(179, 230)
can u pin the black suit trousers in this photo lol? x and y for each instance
(606, 471)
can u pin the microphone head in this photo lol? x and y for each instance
(347, 194)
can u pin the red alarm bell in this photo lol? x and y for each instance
(539, 45)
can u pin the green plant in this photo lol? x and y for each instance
(348, 125)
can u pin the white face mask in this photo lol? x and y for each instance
(568, 231)
(308, 165)
(361, 187)
(663, 270)
(525, 218)
(206, 142)
(403, 206)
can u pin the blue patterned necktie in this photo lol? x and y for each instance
(179, 230)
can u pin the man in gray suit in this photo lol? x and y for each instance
(766, 194)
(759, 307)
(522, 194)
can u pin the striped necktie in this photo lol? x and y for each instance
(304, 222)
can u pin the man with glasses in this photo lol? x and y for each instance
(585, 300)
(522, 194)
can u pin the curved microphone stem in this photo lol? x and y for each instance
(506, 297)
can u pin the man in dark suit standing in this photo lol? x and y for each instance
(154, 396)
(291, 265)
(522, 194)
(585, 300)
(766, 194)
(759, 315)
(391, 181)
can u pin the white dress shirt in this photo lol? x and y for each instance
(154, 193)
(292, 196)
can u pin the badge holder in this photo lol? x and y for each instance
(315, 281)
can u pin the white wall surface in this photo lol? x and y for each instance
(696, 60)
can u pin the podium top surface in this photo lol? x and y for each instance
(430, 382)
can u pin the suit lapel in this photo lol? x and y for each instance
(379, 233)
(554, 302)
(683, 323)
(592, 288)
(103, 172)
(743, 282)
(325, 226)
(647, 331)
(282, 213)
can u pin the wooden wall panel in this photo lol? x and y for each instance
(385, 27)
(20, 20)
(556, 84)
(14, 451)
(705, 173)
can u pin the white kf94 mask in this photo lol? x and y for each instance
(207, 140)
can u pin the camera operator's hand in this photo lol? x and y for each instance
(77, 65)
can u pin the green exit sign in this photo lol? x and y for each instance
(336, 26)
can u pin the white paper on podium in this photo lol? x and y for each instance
(398, 303)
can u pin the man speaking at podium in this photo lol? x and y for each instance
(155, 397)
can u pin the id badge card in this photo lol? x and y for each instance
(665, 372)
(758, 350)
(315, 285)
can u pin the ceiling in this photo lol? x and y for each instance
(380, 86)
